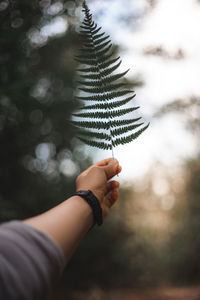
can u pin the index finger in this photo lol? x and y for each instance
(111, 169)
(101, 163)
(105, 162)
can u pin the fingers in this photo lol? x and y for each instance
(119, 169)
(104, 162)
(111, 198)
(112, 192)
(112, 185)
(111, 167)
(101, 163)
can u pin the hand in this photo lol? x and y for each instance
(96, 179)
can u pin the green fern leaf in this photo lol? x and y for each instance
(102, 89)
(117, 123)
(110, 79)
(89, 47)
(94, 62)
(129, 138)
(107, 114)
(107, 71)
(99, 41)
(96, 69)
(122, 130)
(105, 80)
(95, 125)
(97, 36)
(96, 31)
(91, 51)
(104, 59)
(97, 135)
(100, 145)
(98, 78)
(106, 96)
(109, 105)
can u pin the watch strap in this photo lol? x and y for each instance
(92, 200)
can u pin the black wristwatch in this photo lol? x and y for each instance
(92, 200)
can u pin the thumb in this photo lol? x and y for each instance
(112, 168)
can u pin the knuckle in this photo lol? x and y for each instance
(96, 170)
(78, 179)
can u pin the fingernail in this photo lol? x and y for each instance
(119, 169)
(115, 184)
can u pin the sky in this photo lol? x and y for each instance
(175, 27)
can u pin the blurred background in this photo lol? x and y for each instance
(149, 247)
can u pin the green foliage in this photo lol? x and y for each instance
(106, 86)
(36, 97)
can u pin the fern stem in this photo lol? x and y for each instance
(112, 152)
(111, 139)
(102, 82)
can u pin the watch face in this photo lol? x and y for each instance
(83, 193)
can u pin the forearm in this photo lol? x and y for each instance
(67, 223)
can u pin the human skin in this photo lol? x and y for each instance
(68, 222)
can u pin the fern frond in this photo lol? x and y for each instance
(117, 123)
(100, 145)
(102, 89)
(97, 135)
(129, 138)
(89, 47)
(86, 62)
(98, 78)
(110, 79)
(92, 52)
(99, 41)
(97, 36)
(107, 71)
(92, 28)
(106, 114)
(104, 80)
(107, 96)
(105, 58)
(123, 130)
(95, 125)
(94, 62)
(96, 69)
(108, 105)
(96, 31)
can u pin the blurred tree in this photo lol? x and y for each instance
(184, 246)
(188, 109)
(38, 156)
(162, 52)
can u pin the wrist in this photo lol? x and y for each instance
(98, 194)
(81, 205)
(82, 212)
(90, 198)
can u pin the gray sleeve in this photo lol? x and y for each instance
(30, 262)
